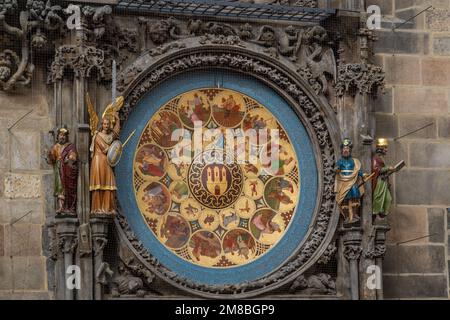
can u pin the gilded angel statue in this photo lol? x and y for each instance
(105, 151)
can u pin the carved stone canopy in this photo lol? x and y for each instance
(148, 71)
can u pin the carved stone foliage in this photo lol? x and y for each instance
(378, 251)
(314, 284)
(329, 253)
(325, 216)
(30, 28)
(40, 22)
(359, 78)
(308, 48)
(106, 34)
(352, 252)
(81, 59)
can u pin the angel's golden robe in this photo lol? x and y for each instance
(102, 181)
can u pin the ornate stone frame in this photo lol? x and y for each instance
(316, 114)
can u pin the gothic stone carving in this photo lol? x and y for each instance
(329, 253)
(308, 48)
(81, 59)
(352, 252)
(34, 25)
(378, 251)
(359, 78)
(326, 215)
(314, 284)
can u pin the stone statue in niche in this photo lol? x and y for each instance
(102, 181)
(64, 159)
(382, 198)
(350, 182)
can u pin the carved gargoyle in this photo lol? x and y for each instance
(132, 279)
(162, 31)
(317, 56)
(314, 284)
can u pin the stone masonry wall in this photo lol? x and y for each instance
(416, 58)
(26, 179)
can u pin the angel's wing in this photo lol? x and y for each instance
(113, 108)
(329, 63)
(93, 117)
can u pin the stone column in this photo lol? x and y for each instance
(352, 238)
(66, 232)
(378, 254)
(100, 225)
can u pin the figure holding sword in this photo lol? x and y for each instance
(106, 151)
(350, 182)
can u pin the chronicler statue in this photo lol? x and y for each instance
(382, 198)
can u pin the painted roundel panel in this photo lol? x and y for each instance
(219, 184)
(224, 201)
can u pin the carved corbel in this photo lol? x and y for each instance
(359, 78)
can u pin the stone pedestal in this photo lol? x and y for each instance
(66, 232)
(352, 238)
(100, 225)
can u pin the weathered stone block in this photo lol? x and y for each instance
(402, 70)
(448, 219)
(402, 42)
(441, 46)
(430, 155)
(22, 186)
(13, 210)
(6, 273)
(25, 150)
(386, 6)
(444, 127)
(438, 19)
(436, 72)
(397, 151)
(420, 100)
(422, 187)
(4, 147)
(386, 125)
(23, 240)
(415, 259)
(407, 222)
(413, 286)
(436, 225)
(403, 4)
(38, 295)
(418, 22)
(48, 187)
(2, 240)
(384, 103)
(410, 123)
(29, 273)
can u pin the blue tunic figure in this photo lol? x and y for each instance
(348, 189)
(346, 167)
